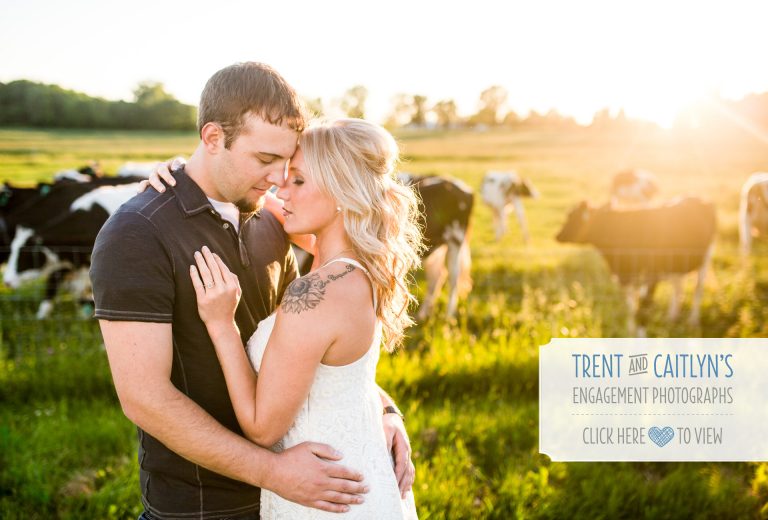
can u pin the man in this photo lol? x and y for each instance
(194, 461)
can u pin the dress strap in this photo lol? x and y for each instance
(363, 269)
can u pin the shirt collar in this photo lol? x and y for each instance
(192, 199)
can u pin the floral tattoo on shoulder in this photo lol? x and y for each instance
(307, 292)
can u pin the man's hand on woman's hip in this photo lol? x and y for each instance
(306, 474)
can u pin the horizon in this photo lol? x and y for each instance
(651, 59)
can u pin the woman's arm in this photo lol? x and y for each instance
(218, 293)
(296, 347)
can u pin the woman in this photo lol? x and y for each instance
(316, 355)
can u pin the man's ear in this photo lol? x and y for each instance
(212, 136)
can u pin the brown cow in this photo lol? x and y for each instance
(644, 246)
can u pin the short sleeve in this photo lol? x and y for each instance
(132, 271)
(290, 272)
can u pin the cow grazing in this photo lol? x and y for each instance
(13, 201)
(53, 237)
(446, 207)
(71, 175)
(14, 198)
(644, 246)
(753, 210)
(85, 174)
(633, 189)
(137, 169)
(502, 191)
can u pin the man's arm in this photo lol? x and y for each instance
(140, 357)
(398, 444)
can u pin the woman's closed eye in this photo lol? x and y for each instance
(298, 182)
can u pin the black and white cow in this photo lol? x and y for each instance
(446, 207)
(137, 169)
(53, 238)
(37, 205)
(753, 210)
(14, 198)
(502, 191)
(644, 246)
(84, 174)
(13, 201)
(633, 189)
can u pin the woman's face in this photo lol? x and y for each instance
(306, 208)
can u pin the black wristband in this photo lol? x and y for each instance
(393, 409)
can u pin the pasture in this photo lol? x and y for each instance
(468, 388)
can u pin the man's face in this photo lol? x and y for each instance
(255, 161)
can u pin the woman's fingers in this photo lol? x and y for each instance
(197, 282)
(177, 163)
(225, 272)
(231, 281)
(213, 266)
(164, 171)
(205, 272)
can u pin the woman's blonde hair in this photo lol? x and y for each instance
(353, 161)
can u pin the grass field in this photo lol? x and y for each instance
(469, 389)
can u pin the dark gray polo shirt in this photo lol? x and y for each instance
(140, 272)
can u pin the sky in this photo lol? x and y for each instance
(650, 57)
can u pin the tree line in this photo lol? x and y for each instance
(714, 114)
(27, 103)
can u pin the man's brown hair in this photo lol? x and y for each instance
(248, 87)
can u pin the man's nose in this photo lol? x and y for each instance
(278, 175)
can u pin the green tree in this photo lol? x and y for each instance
(445, 111)
(150, 93)
(419, 117)
(314, 107)
(401, 112)
(492, 100)
(26, 103)
(353, 101)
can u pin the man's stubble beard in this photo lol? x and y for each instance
(247, 206)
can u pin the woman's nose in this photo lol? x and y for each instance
(282, 193)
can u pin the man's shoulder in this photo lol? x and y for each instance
(145, 208)
(136, 218)
(150, 202)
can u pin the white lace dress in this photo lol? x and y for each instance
(343, 410)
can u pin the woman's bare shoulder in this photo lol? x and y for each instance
(335, 287)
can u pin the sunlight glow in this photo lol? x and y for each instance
(650, 58)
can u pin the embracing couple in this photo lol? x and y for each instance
(238, 373)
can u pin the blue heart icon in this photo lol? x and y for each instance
(661, 436)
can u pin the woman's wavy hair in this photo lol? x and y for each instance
(353, 161)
